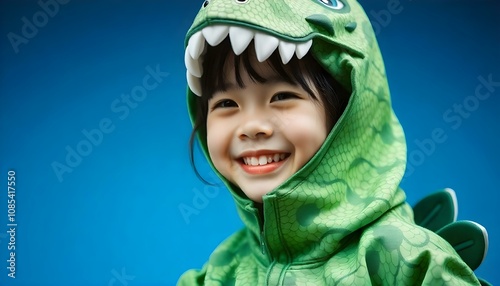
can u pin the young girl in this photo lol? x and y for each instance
(290, 103)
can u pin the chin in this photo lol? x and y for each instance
(256, 194)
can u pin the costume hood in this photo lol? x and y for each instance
(354, 177)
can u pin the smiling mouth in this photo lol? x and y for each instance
(263, 164)
(264, 159)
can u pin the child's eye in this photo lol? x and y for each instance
(224, 103)
(283, 96)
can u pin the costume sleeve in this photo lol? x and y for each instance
(448, 270)
(436, 267)
(403, 254)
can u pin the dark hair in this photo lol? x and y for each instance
(296, 72)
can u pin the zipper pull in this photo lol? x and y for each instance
(262, 243)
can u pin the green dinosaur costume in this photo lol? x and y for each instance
(342, 219)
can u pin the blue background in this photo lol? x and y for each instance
(115, 218)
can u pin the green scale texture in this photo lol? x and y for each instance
(342, 219)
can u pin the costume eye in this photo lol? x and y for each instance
(241, 1)
(224, 103)
(205, 3)
(334, 4)
(283, 96)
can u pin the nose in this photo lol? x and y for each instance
(253, 128)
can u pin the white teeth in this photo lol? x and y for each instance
(276, 157)
(262, 160)
(286, 50)
(265, 46)
(194, 83)
(192, 65)
(254, 161)
(302, 49)
(240, 38)
(215, 34)
(196, 45)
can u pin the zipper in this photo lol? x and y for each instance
(275, 272)
(263, 245)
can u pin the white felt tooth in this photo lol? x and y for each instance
(215, 34)
(193, 83)
(240, 38)
(265, 46)
(303, 48)
(193, 66)
(286, 50)
(196, 45)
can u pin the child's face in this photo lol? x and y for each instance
(260, 135)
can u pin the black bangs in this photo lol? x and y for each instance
(215, 69)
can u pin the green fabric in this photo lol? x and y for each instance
(342, 219)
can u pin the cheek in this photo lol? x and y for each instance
(307, 131)
(217, 141)
(213, 137)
